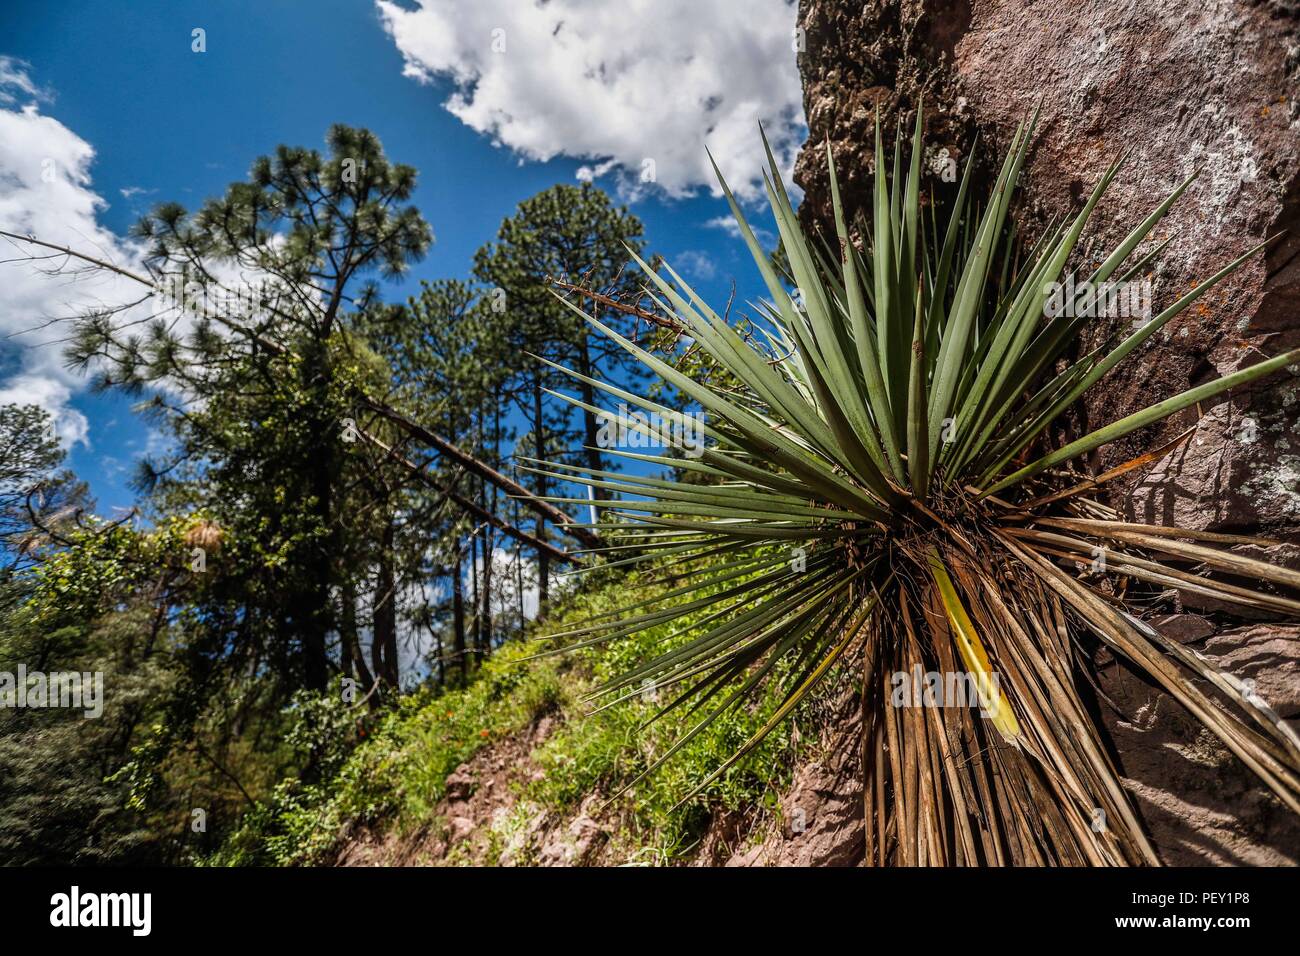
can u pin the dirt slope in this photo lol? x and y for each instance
(483, 821)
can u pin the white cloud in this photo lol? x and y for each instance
(15, 80)
(727, 224)
(731, 227)
(617, 83)
(45, 191)
(34, 388)
(695, 264)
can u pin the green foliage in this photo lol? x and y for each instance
(120, 787)
(611, 749)
(37, 497)
(59, 801)
(262, 363)
(397, 774)
(399, 767)
(577, 235)
(259, 392)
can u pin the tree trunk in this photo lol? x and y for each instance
(595, 459)
(489, 546)
(476, 633)
(311, 606)
(384, 615)
(470, 463)
(354, 661)
(543, 559)
(519, 577)
(484, 598)
(458, 618)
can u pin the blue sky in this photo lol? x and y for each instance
(168, 123)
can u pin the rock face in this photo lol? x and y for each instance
(1180, 86)
(1238, 471)
(821, 813)
(1200, 806)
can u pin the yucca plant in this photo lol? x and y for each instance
(881, 494)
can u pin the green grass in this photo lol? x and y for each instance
(398, 772)
(395, 776)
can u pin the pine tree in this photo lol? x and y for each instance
(577, 234)
(265, 414)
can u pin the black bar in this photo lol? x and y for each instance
(581, 908)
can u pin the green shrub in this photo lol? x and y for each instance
(398, 771)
